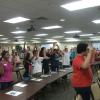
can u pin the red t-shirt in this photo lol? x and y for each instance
(81, 77)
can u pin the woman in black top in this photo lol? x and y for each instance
(45, 62)
(27, 62)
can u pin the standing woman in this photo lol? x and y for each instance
(45, 62)
(27, 63)
(17, 59)
(82, 72)
(66, 58)
(6, 71)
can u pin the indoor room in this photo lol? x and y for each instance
(49, 49)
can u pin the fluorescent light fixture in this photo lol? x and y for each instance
(18, 37)
(96, 21)
(57, 37)
(62, 20)
(72, 40)
(81, 4)
(95, 39)
(20, 42)
(16, 20)
(1, 35)
(86, 35)
(35, 41)
(51, 41)
(3, 38)
(35, 38)
(73, 32)
(41, 35)
(52, 27)
(18, 32)
(4, 42)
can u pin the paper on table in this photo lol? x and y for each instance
(53, 72)
(14, 93)
(21, 84)
(62, 70)
(36, 79)
(33, 79)
(45, 76)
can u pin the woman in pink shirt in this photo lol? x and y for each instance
(6, 71)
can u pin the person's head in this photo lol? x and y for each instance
(42, 51)
(35, 52)
(82, 48)
(66, 49)
(5, 55)
(28, 48)
(16, 53)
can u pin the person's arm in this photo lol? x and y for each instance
(14, 64)
(1, 69)
(58, 47)
(87, 61)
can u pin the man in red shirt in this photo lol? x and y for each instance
(82, 72)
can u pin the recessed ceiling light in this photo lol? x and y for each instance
(18, 32)
(41, 35)
(73, 32)
(16, 20)
(52, 27)
(82, 4)
(86, 35)
(1, 35)
(96, 21)
(57, 37)
(18, 37)
(62, 20)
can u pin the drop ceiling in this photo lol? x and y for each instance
(51, 13)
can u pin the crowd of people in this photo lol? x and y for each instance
(36, 61)
(44, 61)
